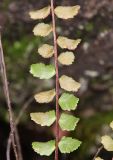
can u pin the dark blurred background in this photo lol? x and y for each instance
(93, 68)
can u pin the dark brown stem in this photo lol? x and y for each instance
(6, 90)
(57, 77)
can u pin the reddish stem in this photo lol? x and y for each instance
(57, 77)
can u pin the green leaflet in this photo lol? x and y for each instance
(66, 12)
(44, 148)
(42, 71)
(98, 158)
(68, 145)
(45, 97)
(68, 122)
(69, 84)
(46, 51)
(44, 119)
(107, 142)
(42, 29)
(66, 58)
(111, 125)
(40, 14)
(68, 101)
(66, 43)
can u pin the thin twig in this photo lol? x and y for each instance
(6, 90)
(17, 138)
(57, 77)
(22, 111)
(8, 148)
(98, 151)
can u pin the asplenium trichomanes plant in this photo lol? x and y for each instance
(67, 101)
